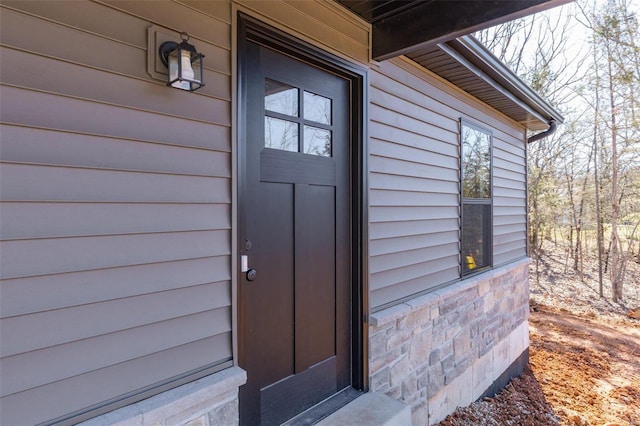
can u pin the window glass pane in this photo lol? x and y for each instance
(476, 237)
(476, 163)
(317, 108)
(280, 134)
(279, 97)
(317, 141)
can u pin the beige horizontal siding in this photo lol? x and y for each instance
(25, 220)
(59, 112)
(62, 255)
(509, 200)
(22, 144)
(50, 365)
(29, 182)
(413, 166)
(322, 23)
(414, 181)
(53, 399)
(116, 215)
(23, 296)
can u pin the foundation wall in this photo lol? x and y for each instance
(212, 400)
(446, 349)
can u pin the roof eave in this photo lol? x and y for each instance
(506, 78)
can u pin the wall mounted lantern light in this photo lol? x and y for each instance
(184, 63)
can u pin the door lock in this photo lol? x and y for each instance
(244, 267)
(251, 274)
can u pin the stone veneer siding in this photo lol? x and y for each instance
(212, 400)
(446, 348)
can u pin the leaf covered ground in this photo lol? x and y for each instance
(584, 354)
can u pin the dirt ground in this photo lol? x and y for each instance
(584, 357)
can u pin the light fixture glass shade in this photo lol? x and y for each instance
(180, 70)
(184, 64)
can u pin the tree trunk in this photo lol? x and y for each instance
(616, 279)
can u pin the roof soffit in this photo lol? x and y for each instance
(402, 26)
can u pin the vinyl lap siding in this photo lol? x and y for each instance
(414, 181)
(116, 213)
(509, 200)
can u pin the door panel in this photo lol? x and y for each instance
(294, 227)
(315, 274)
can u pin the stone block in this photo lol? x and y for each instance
(434, 312)
(462, 343)
(434, 357)
(477, 326)
(446, 349)
(419, 353)
(399, 371)
(435, 380)
(397, 339)
(380, 379)
(468, 296)
(466, 313)
(459, 392)
(438, 407)
(448, 363)
(225, 414)
(377, 345)
(394, 392)
(459, 368)
(388, 316)
(387, 359)
(482, 374)
(501, 357)
(447, 307)
(197, 412)
(200, 421)
(423, 380)
(484, 287)
(409, 387)
(453, 319)
(420, 413)
(519, 340)
(488, 302)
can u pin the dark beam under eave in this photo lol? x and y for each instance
(437, 21)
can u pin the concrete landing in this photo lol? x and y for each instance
(370, 409)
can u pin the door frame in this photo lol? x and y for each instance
(250, 29)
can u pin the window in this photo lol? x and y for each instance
(285, 113)
(476, 197)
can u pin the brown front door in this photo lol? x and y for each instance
(294, 302)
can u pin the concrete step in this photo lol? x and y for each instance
(371, 409)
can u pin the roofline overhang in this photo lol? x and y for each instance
(413, 28)
(525, 94)
(474, 56)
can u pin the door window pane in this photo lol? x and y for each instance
(280, 134)
(317, 108)
(281, 98)
(317, 141)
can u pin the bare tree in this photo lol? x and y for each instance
(615, 28)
